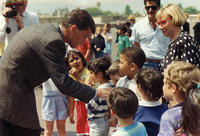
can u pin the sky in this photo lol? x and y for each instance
(48, 6)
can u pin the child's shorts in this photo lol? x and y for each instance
(99, 127)
(54, 108)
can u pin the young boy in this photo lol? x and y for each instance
(131, 60)
(123, 104)
(97, 107)
(149, 86)
(123, 40)
(98, 43)
(113, 72)
(179, 77)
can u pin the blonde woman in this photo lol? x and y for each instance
(170, 19)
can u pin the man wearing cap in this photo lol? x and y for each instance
(34, 55)
(10, 26)
(149, 37)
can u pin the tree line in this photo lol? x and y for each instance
(97, 11)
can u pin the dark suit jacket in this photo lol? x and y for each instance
(35, 54)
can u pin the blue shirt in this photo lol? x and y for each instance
(107, 49)
(153, 42)
(149, 113)
(170, 121)
(135, 129)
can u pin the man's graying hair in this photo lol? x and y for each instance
(81, 18)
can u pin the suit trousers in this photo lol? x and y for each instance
(9, 129)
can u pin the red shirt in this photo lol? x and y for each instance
(84, 47)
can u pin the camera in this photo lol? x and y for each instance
(13, 12)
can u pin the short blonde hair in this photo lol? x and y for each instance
(183, 74)
(174, 12)
(131, 17)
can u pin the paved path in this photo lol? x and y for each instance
(70, 128)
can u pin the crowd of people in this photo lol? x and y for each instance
(151, 88)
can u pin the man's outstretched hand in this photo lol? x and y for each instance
(104, 92)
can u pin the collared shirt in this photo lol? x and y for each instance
(130, 84)
(149, 113)
(28, 18)
(153, 42)
(149, 103)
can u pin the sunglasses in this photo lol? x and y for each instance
(132, 20)
(152, 7)
(163, 22)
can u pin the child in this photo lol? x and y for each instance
(131, 60)
(123, 104)
(149, 86)
(178, 78)
(108, 40)
(78, 71)
(85, 49)
(54, 108)
(98, 43)
(123, 40)
(97, 107)
(113, 72)
(190, 114)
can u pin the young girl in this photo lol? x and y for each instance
(54, 108)
(108, 40)
(78, 71)
(190, 125)
(179, 77)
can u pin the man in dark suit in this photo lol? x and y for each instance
(35, 54)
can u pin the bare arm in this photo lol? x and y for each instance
(71, 109)
(87, 55)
